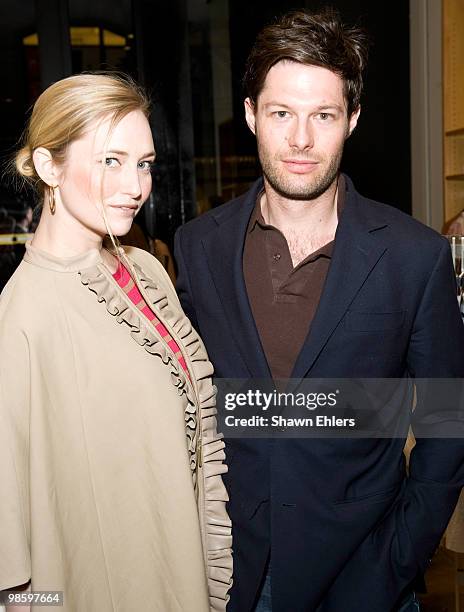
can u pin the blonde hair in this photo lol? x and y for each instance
(67, 109)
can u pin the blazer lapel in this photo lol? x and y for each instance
(224, 250)
(356, 252)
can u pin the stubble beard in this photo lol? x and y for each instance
(291, 188)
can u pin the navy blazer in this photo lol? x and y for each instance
(346, 529)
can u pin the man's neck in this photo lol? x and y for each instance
(306, 224)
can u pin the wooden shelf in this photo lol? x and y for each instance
(456, 132)
(453, 106)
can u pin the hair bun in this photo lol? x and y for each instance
(24, 163)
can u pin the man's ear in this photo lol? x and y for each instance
(250, 114)
(353, 120)
(45, 166)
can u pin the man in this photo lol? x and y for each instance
(303, 277)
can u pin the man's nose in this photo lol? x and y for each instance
(301, 135)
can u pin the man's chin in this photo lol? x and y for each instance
(308, 191)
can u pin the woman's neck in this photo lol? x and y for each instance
(67, 238)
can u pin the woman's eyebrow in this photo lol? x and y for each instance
(125, 153)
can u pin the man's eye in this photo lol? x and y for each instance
(111, 162)
(281, 114)
(324, 116)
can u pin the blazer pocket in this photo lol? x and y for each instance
(369, 498)
(358, 321)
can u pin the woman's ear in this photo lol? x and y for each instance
(45, 166)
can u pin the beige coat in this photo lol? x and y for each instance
(101, 472)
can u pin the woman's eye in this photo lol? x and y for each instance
(111, 162)
(145, 165)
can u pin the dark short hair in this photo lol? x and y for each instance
(314, 39)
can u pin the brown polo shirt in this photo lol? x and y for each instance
(283, 299)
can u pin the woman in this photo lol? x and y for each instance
(109, 458)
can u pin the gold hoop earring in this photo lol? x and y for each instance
(51, 199)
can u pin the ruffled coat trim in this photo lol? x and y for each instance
(205, 445)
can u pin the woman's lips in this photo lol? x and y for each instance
(300, 166)
(128, 211)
